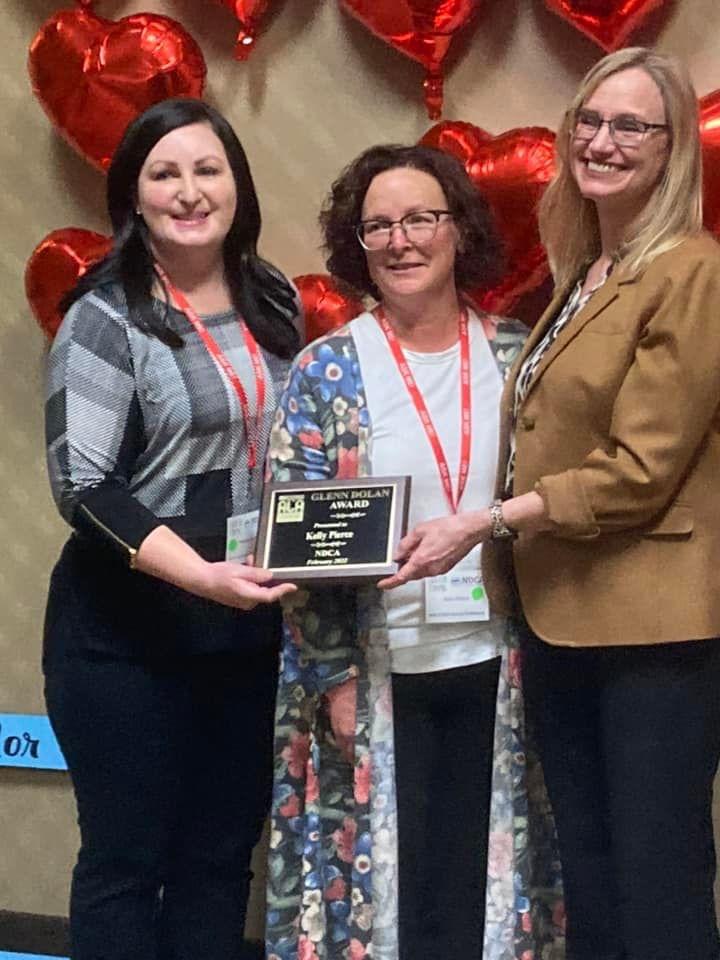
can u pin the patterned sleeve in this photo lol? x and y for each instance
(303, 442)
(93, 427)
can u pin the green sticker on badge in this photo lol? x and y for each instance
(232, 546)
(478, 593)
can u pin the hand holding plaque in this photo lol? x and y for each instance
(333, 531)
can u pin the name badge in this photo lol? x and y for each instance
(241, 535)
(457, 596)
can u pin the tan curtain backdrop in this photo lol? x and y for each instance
(317, 90)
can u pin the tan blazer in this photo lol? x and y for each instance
(620, 434)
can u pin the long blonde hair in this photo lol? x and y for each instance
(569, 223)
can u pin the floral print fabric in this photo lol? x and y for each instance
(332, 873)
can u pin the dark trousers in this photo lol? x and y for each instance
(171, 766)
(629, 739)
(444, 726)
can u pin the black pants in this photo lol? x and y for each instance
(629, 738)
(171, 766)
(444, 726)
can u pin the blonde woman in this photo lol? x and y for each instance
(608, 492)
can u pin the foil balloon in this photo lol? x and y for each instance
(421, 29)
(461, 139)
(608, 22)
(710, 135)
(55, 266)
(326, 304)
(249, 13)
(512, 171)
(93, 76)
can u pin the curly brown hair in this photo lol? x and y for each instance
(479, 257)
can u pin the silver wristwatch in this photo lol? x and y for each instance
(499, 530)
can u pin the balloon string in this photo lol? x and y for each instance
(433, 87)
(244, 44)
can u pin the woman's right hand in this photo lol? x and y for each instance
(165, 555)
(237, 585)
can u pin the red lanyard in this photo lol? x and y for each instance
(213, 348)
(424, 414)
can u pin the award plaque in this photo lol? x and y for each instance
(332, 531)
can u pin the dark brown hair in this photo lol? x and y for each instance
(260, 293)
(479, 253)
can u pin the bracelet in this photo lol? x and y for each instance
(499, 530)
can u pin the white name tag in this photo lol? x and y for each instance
(241, 534)
(459, 595)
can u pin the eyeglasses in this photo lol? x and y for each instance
(625, 129)
(419, 227)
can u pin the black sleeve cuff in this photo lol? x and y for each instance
(110, 515)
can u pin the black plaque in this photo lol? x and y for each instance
(332, 531)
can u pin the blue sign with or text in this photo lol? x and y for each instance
(26, 956)
(27, 740)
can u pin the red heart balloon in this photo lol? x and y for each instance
(93, 76)
(512, 171)
(607, 22)
(325, 304)
(710, 134)
(421, 29)
(249, 13)
(55, 266)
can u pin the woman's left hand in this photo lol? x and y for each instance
(434, 547)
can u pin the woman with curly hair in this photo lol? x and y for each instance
(398, 768)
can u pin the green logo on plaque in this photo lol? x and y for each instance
(290, 508)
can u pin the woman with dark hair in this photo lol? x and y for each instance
(414, 697)
(161, 655)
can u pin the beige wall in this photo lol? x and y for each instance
(317, 90)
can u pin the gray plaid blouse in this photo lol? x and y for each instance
(141, 434)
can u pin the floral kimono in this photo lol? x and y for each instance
(333, 872)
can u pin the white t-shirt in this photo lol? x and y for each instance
(399, 445)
